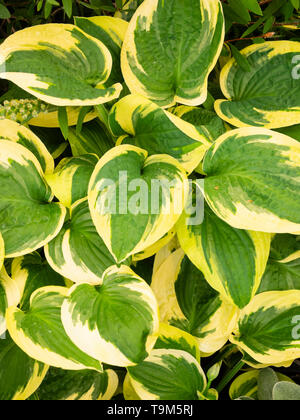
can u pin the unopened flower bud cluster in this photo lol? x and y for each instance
(22, 110)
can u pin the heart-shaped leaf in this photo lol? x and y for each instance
(116, 322)
(170, 49)
(268, 94)
(253, 180)
(131, 193)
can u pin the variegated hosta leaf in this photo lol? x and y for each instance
(93, 138)
(144, 124)
(250, 361)
(70, 180)
(153, 249)
(187, 301)
(267, 328)
(170, 337)
(78, 252)
(115, 322)
(9, 295)
(28, 218)
(168, 375)
(50, 119)
(30, 273)
(12, 131)
(20, 376)
(39, 332)
(170, 49)
(128, 390)
(111, 31)
(233, 261)
(59, 64)
(78, 385)
(246, 385)
(52, 139)
(267, 95)
(131, 192)
(253, 180)
(207, 123)
(283, 269)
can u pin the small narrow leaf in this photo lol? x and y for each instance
(240, 59)
(253, 6)
(63, 121)
(4, 12)
(68, 7)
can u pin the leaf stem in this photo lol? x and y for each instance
(230, 375)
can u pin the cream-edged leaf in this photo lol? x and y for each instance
(12, 131)
(168, 375)
(78, 252)
(142, 123)
(170, 337)
(170, 49)
(115, 322)
(20, 376)
(9, 295)
(83, 385)
(111, 31)
(59, 64)
(69, 182)
(39, 331)
(267, 328)
(253, 180)
(232, 260)
(186, 301)
(267, 95)
(30, 273)
(28, 218)
(131, 192)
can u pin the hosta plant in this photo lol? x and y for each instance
(150, 203)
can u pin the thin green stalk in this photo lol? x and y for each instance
(230, 375)
(222, 355)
